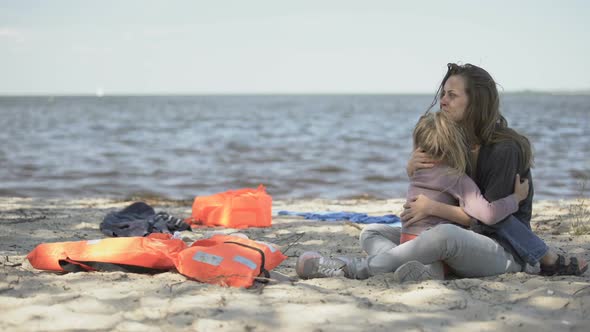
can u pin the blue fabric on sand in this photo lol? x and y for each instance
(361, 218)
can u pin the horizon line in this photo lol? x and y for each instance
(189, 94)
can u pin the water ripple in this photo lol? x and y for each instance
(298, 146)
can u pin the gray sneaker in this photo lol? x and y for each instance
(416, 271)
(312, 264)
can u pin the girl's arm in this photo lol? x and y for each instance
(489, 213)
(473, 203)
(421, 206)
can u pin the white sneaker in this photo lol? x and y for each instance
(416, 271)
(312, 264)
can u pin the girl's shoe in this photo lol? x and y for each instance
(312, 264)
(416, 271)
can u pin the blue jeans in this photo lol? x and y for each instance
(525, 242)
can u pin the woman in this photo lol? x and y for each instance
(468, 95)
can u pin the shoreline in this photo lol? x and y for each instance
(32, 300)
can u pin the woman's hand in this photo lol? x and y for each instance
(416, 208)
(418, 160)
(521, 190)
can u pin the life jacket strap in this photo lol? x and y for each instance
(263, 271)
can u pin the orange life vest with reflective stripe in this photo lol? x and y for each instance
(234, 209)
(228, 260)
(156, 251)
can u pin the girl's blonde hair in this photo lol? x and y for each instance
(443, 139)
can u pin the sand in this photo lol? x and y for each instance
(32, 300)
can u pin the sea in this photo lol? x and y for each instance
(297, 146)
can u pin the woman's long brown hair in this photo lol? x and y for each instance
(483, 123)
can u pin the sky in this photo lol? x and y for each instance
(304, 46)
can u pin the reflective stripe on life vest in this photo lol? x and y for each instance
(228, 260)
(272, 255)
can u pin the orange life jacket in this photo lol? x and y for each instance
(228, 260)
(157, 251)
(234, 209)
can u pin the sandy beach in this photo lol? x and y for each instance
(32, 300)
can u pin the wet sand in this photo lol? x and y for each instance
(32, 300)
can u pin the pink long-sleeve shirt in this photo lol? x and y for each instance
(441, 184)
